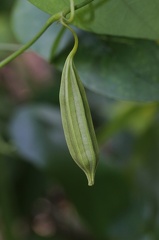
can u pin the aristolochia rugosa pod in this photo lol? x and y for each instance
(77, 121)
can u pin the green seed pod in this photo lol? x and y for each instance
(77, 122)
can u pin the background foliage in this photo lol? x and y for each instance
(43, 194)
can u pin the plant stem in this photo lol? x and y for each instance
(30, 43)
(49, 22)
(75, 47)
(78, 6)
(72, 11)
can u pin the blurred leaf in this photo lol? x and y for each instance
(38, 135)
(120, 18)
(25, 28)
(137, 118)
(124, 69)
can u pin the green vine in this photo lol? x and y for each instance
(48, 23)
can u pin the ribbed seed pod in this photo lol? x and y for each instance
(77, 122)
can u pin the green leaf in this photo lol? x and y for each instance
(139, 19)
(51, 6)
(124, 69)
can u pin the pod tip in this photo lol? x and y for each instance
(90, 180)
